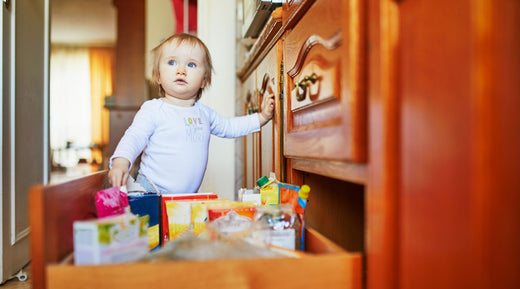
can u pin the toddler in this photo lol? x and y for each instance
(172, 132)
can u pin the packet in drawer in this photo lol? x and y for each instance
(165, 234)
(269, 194)
(184, 215)
(116, 239)
(147, 204)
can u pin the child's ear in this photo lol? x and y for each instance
(203, 84)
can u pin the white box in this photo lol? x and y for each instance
(115, 239)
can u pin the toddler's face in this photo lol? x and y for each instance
(181, 70)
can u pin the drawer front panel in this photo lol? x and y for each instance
(316, 75)
(325, 105)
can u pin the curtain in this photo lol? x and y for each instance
(178, 9)
(69, 116)
(101, 78)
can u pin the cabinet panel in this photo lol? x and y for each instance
(248, 95)
(263, 149)
(325, 99)
(267, 76)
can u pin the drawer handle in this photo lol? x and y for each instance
(313, 78)
(302, 85)
(306, 82)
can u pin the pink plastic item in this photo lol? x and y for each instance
(111, 202)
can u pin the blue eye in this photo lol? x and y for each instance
(192, 65)
(171, 62)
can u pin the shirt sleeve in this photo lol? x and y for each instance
(137, 135)
(231, 127)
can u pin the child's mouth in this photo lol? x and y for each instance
(181, 81)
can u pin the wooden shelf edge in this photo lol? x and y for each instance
(350, 172)
(290, 19)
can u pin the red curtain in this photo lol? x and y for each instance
(178, 9)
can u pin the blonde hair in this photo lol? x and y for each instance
(180, 39)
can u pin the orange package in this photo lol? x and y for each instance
(175, 197)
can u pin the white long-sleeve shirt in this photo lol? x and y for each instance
(174, 141)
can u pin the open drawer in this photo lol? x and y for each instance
(328, 267)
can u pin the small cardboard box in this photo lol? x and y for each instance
(115, 239)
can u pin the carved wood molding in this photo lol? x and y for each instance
(294, 11)
(330, 44)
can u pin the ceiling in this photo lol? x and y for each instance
(83, 22)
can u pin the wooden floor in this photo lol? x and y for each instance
(17, 284)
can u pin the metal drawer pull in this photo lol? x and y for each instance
(302, 86)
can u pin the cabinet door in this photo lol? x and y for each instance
(267, 76)
(251, 140)
(325, 99)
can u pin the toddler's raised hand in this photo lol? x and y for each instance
(267, 109)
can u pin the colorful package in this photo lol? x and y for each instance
(165, 235)
(199, 214)
(188, 215)
(115, 239)
(287, 192)
(111, 202)
(269, 193)
(179, 217)
(147, 204)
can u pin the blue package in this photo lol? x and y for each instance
(147, 204)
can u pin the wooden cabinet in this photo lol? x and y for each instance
(318, 134)
(402, 116)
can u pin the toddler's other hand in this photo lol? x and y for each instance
(119, 173)
(267, 109)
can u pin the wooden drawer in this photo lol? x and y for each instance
(54, 208)
(328, 267)
(324, 92)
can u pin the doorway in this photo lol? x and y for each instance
(82, 56)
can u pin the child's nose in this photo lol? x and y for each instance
(181, 70)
